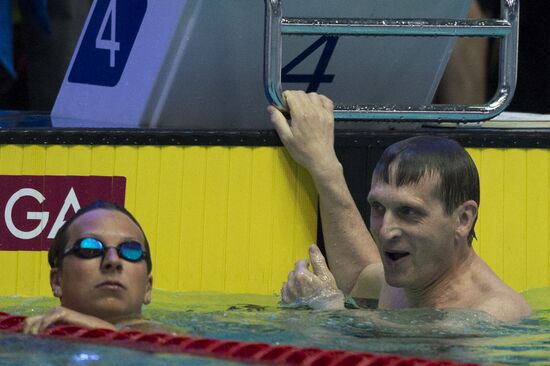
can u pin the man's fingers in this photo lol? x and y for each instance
(29, 324)
(327, 102)
(284, 293)
(43, 325)
(301, 264)
(280, 123)
(34, 325)
(319, 264)
(294, 100)
(316, 99)
(46, 320)
(37, 324)
(291, 284)
(306, 283)
(301, 282)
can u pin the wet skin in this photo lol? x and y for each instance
(108, 287)
(414, 234)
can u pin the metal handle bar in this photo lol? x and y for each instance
(506, 29)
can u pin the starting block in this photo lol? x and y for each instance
(199, 64)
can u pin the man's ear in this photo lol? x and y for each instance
(148, 290)
(466, 215)
(55, 282)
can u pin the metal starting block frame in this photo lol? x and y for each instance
(506, 29)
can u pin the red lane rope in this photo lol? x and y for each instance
(249, 352)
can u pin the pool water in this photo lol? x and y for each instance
(455, 335)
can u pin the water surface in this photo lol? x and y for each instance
(455, 335)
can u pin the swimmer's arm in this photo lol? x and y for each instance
(310, 141)
(369, 283)
(147, 326)
(39, 323)
(349, 246)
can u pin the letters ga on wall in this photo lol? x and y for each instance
(35, 207)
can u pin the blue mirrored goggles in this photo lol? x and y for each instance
(87, 248)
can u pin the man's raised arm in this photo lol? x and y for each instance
(310, 141)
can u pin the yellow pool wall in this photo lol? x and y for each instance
(235, 219)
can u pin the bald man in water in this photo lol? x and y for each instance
(424, 202)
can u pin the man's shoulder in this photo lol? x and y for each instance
(495, 297)
(506, 305)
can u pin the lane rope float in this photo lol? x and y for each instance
(249, 352)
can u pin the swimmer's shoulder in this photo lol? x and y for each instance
(505, 305)
(495, 297)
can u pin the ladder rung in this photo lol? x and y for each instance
(396, 27)
(506, 28)
(439, 112)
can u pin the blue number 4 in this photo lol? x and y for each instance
(318, 75)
